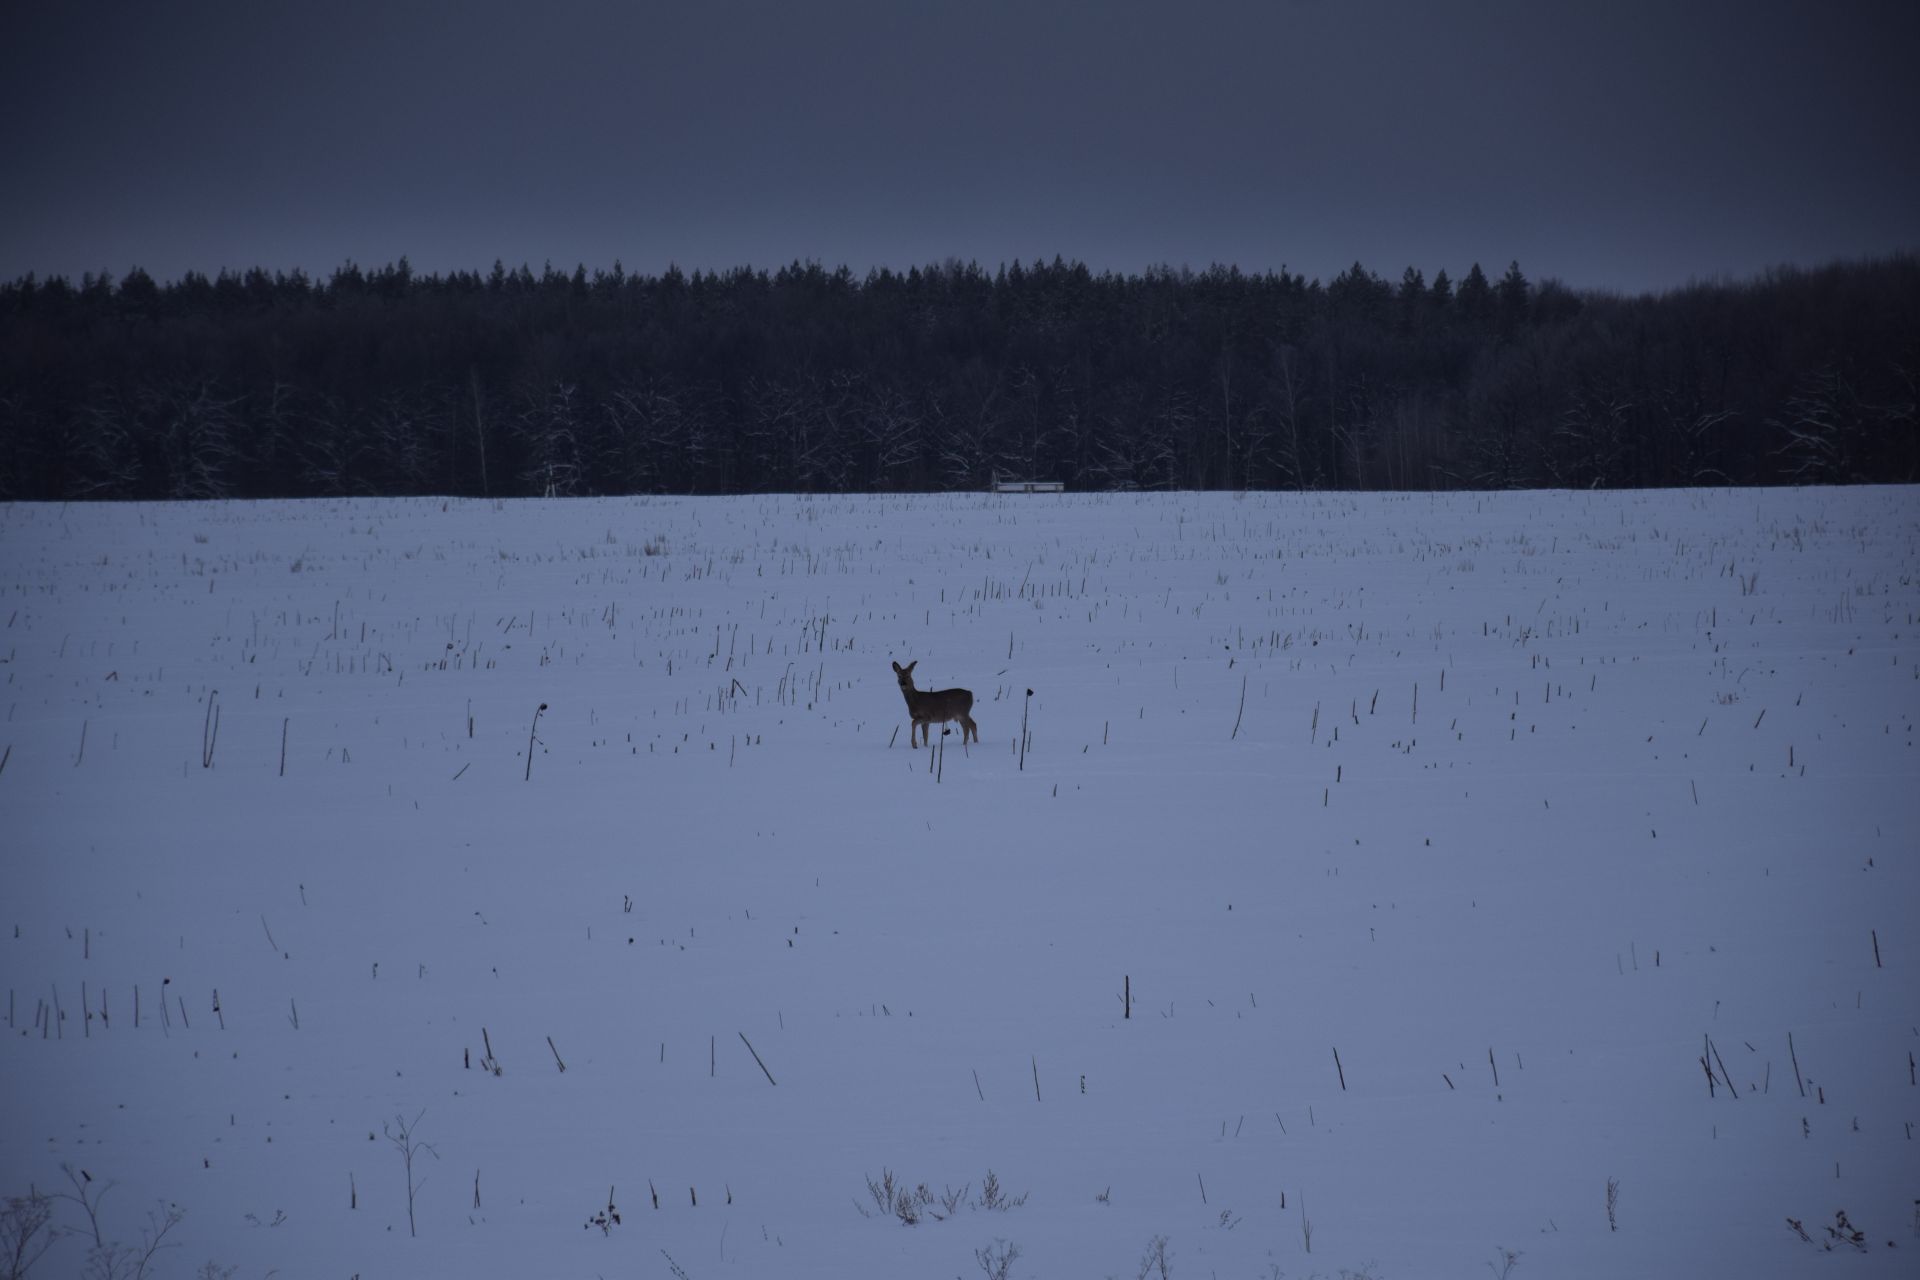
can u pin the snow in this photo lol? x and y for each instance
(1562, 786)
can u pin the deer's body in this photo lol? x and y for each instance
(935, 706)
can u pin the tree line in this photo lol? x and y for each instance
(387, 382)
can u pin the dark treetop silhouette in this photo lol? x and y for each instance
(805, 379)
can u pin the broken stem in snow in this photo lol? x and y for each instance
(531, 732)
(756, 1057)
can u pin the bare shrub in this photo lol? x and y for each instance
(26, 1232)
(996, 1259)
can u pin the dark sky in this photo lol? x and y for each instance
(1609, 143)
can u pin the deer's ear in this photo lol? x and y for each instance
(896, 668)
(908, 669)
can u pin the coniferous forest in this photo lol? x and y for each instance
(387, 382)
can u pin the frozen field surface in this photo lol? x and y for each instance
(1460, 856)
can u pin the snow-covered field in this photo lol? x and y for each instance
(1460, 855)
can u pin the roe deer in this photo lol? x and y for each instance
(931, 706)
